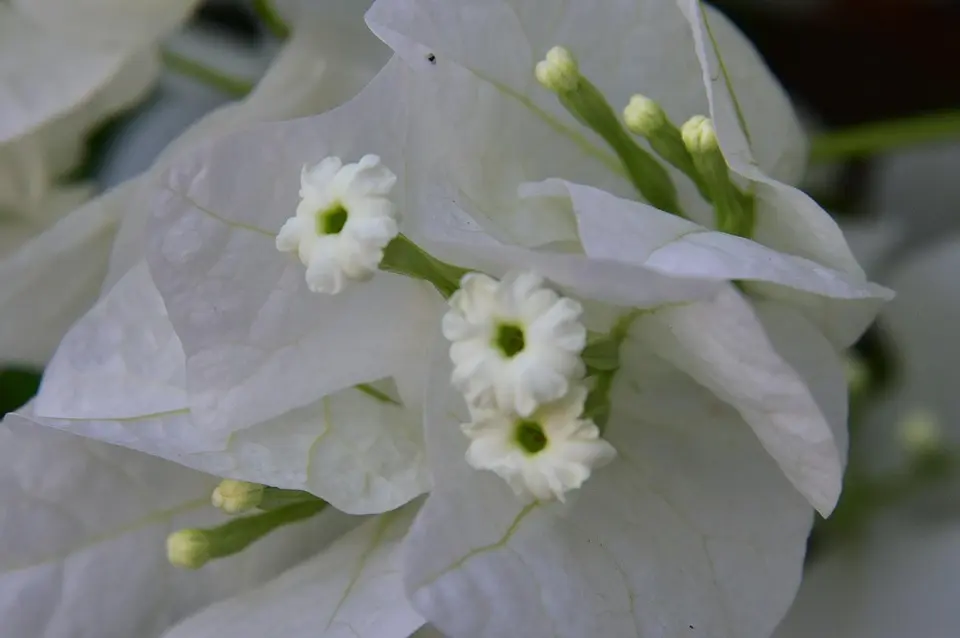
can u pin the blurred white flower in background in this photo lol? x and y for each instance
(900, 576)
(65, 67)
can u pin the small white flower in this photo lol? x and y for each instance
(516, 343)
(544, 455)
(343, 222)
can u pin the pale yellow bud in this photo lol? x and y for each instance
(644, 117)
(235, 497)
(699, 135)
(920, 432)
(558, 71)
(188, 548)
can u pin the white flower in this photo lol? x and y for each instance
(343, 222)
(543, 455)
(900, 576)
(515, 343)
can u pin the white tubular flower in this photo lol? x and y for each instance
(343, 222)
(544, 455)
(515, 343)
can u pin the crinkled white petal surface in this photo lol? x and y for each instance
(352, 589)
(84, 525)
(691, 530)
(258, 342)
(119, 376)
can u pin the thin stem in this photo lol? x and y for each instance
(177, 63)
(873, 138)
(271, 18)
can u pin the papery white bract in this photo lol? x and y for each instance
(544, 455)
(515, 342)
(343, 222)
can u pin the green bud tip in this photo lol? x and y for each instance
(558, 71)
(643, 116)
(920, 432)
(188, 548)
(235, 497)
(699, 136)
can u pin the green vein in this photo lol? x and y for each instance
(223, 220)
(514, 526)
(154, 517)
(371, 391)
(726, 77)
(609, 161)
(183, 65)
(125, 419)
(384, 523)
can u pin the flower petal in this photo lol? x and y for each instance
(321, 66)
(723, 345)
(84, 526)
(55, 277)
(258, 343)
(843, 305)
(350, 590)
(128, 22)
(742, 96)
(691, 530)
(119, 376)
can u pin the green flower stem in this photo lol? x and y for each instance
(183, 65)
(277, 498)
(870, 139)
(271, 18)
(602, 360)
(403, 257)
(590, 107)
(193, 548)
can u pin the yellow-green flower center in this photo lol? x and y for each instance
(509, 339)
(530, 436)
(332, 220)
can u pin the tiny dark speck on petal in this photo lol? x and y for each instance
(431, 58)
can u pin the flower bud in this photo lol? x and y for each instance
(920, 433)
(188, 548)
(733, 209)
(699, 135)
(644, 117)
(558, 71)
(235, 497)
